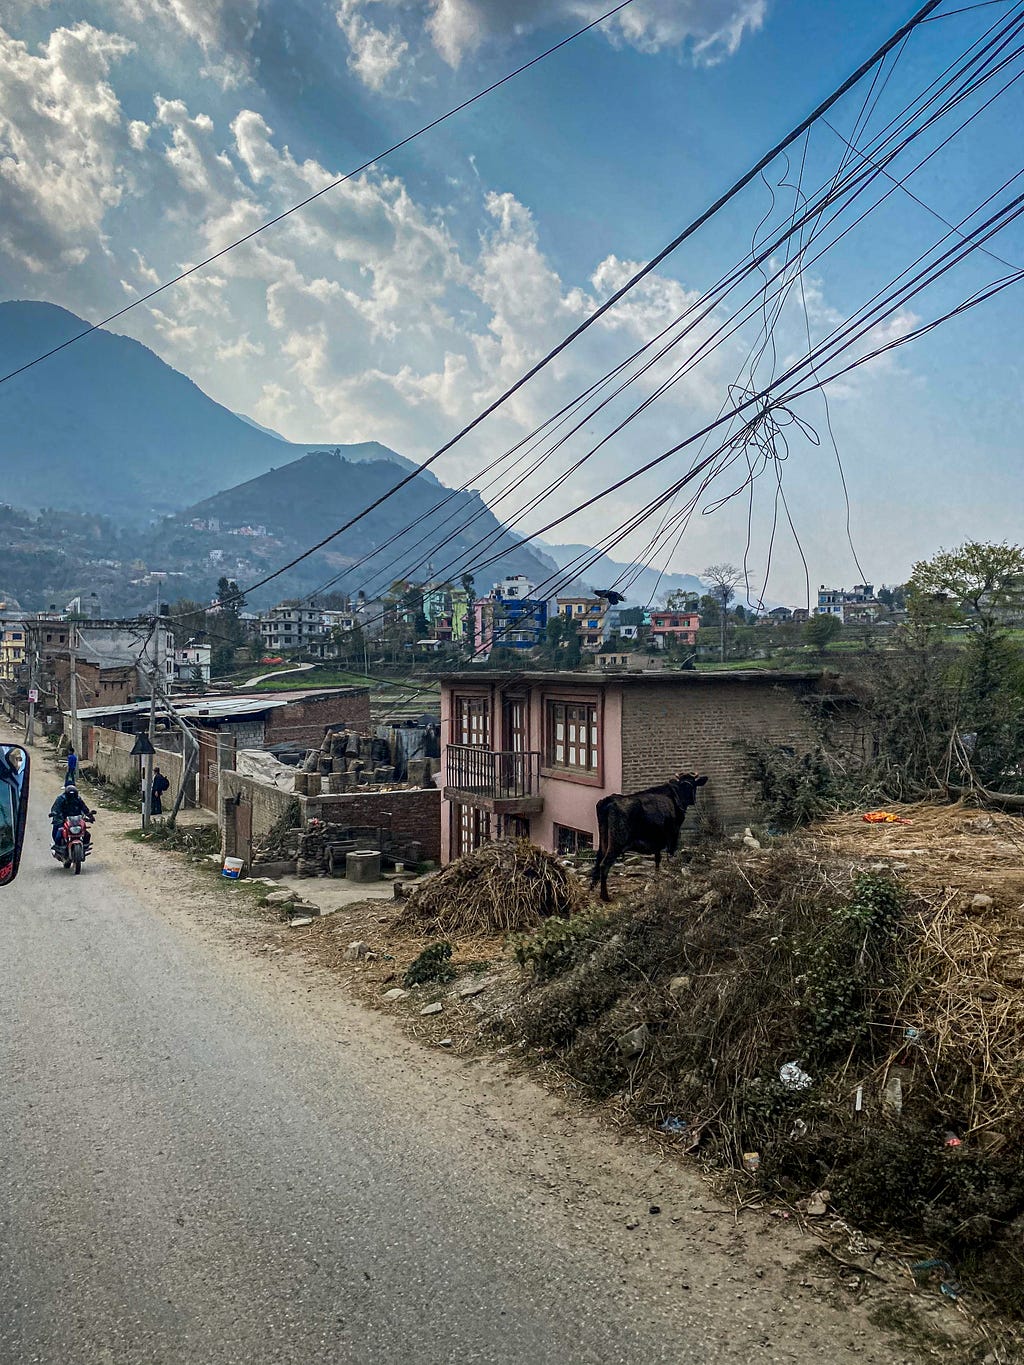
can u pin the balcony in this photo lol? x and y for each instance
(500, 781)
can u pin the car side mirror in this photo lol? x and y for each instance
(14, 784)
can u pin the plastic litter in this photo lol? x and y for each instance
(949, 1285)
(751, 1162)
(884, 817)
(892, 1095)
(912, 1035)
(951, 1140)
(676, 1127)
(793, 1077)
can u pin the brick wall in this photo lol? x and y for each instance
(412, 814)
(705, 729)
(304, 722)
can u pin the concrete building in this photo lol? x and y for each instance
(192, 664)
(589, 613)
(291, 626)
(678, 626)
(853, 606)
(531, 754)
(508, 623)
(12, 648)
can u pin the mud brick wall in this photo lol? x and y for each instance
(110, 753)
(411, 814)
(304, 722)
(707, 729)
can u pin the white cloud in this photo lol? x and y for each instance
(61, 143)
(709, 29)
(223, 29)
(375, 54)
(138, 134)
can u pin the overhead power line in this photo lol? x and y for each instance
(610, 302)
(317, 194)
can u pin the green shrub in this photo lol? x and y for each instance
(432, 965)
(556, 946)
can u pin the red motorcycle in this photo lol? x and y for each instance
(75, 842)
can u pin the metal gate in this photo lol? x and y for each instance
(243, 833)
(209, 770)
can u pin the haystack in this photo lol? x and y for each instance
(503, 887)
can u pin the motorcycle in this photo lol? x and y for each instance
(75, 844)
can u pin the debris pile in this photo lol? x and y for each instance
(504, 887)
(385, 761)
(837, 1015)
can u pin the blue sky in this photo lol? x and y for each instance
(135, 136)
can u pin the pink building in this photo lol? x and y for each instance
(530, 754)
(675, 625)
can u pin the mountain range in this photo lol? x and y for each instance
(173, 483)
(108, 413)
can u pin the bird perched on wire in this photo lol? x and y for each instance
(612, 597)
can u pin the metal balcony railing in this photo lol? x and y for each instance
(501, 774)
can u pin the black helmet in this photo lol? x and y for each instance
(71, 788)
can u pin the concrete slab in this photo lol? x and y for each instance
(332, 894)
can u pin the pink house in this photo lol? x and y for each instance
(675, 625)
(530, 754)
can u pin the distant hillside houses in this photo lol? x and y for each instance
(853, 606)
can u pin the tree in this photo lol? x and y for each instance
(231, 600)
(980, 583)
(895, 598)
(709, 613)
(722, 580)
(983, 585)
(222, 660)
(681, 600)
(562, 648)
(467, 583)
(821, 630)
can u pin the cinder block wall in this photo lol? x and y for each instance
(411, 814)
(706, 729)
(268, 806)
(304, 722)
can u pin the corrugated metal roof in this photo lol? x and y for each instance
(217, 706)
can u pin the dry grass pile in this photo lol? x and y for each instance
(964, 975)
(895, 1004)
(947, 846)
(504, 887)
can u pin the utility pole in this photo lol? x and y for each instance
(74, 688)
(33, 683)
(147, 782)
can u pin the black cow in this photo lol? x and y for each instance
(646, 822)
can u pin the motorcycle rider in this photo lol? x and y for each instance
(68, 803)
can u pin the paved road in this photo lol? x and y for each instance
(278, 673)
(200, 1167)
(193, 1179)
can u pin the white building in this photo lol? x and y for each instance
(517, 588)
(849, 604)
(192, 663)
(292, 627)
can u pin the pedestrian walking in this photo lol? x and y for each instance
(71, 776)
(160, 785)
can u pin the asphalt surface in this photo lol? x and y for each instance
(193, 1174)
(215, 1156)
